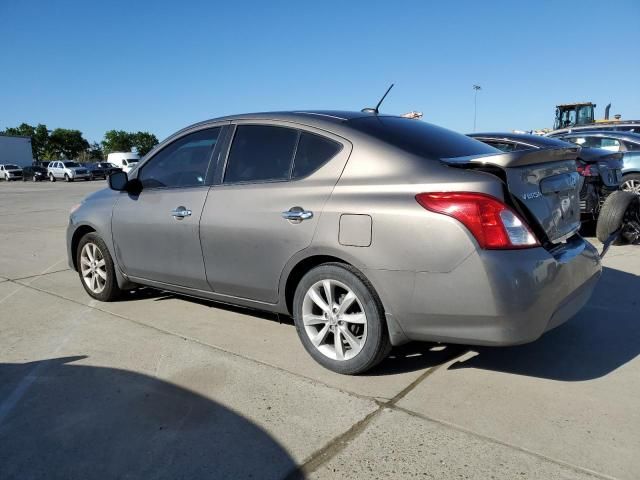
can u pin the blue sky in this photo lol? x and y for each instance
(161, 65)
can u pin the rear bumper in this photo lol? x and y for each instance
(492, 297)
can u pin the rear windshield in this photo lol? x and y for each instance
(11, 167)
(420, 138)
(71, 164)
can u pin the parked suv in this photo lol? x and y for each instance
(67, 170)
(370, 230)
(10, 172)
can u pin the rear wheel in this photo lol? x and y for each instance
(96, 269)
(340, 319)
(631, 183)
(613, 212)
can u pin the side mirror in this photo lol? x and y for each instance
(120, 182)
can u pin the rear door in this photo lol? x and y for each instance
(266, 204)
(156, 233)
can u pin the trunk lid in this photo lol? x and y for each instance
(544, 183)
(609, 164)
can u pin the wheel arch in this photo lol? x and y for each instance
(79, 232)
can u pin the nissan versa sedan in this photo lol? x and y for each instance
(370, 230)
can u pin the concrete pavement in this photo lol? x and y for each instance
(160, 386)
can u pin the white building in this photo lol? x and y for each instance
(15, 150)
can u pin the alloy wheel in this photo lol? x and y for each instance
(334, 320)
(93, 268)
(632, 186)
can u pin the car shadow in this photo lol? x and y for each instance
(64, 420)
(602, 337)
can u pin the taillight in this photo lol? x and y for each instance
(493, 224)
(586, 169)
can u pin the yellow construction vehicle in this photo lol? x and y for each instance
(574, 114)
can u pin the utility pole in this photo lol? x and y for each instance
(475, 104)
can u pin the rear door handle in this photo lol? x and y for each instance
(297, 214)
(181, 212)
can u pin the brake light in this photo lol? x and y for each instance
(586, 169)
(493, 224)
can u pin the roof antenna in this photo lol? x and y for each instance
(375, 110)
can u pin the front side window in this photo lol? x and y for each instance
(182, 163)
(260, 153)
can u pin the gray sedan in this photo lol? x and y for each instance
(370, 230)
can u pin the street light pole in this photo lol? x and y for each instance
(475, 104)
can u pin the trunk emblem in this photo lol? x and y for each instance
(531, 195)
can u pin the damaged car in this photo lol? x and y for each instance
(370, 230)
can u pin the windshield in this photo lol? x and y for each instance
(71, 164)
(420, 138)
(11, 167)
(132, 160)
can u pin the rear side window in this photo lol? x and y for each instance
(420, 138)
(313, 151)
(261, 153)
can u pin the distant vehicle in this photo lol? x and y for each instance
(10, 172)
(600, 169)
(108, 167)
(127, 161)
(370, 230)
(625, 142)
(35, 173)
(67, 170)
(42, 163)
(96, 171)
(629, 126)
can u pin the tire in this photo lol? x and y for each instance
(52, 178)
(104, 289)
(339, 356)
(612, 213)
(631, 183)
(67, 178)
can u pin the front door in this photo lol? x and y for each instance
(246, 239)
(157, 233)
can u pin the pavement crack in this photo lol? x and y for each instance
(37, 275)
(339, 443)
(488, 438)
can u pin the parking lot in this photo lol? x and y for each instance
(161, 385)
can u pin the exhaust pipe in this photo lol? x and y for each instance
(606, 112)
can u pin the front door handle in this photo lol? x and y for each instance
(181, 212)
(297, 214)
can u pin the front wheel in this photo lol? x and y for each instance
(96, 268)
(52, 178)
(67, 178)
(340, 319)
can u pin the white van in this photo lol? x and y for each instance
(127, 161)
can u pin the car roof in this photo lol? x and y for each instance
(631, 136)
(537, 141)
(314, 118)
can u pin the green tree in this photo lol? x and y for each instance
(65, 143)
(117, 141)
(95, 151)
(143, 142)
(39, 137)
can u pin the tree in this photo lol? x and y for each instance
(65, 143)
(117, 141)
(39, 137)
(143, 142)
(95, 152)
